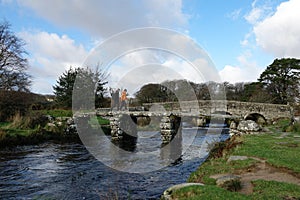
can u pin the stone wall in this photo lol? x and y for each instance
(63, 125)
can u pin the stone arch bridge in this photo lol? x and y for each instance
(238, 109)
(171, 113)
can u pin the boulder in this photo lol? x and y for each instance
(248, 125)
(297, 119)
(229, 182)
(232, 125)
(50, 127)
(168, 192)
(71, 129)
(51, 124)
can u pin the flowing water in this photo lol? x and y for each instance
(69, 171)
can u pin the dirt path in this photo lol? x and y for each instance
(263, 171)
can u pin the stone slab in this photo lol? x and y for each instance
(235, 158)
(168, 192)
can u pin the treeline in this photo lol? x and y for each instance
(183, 90)
(278, 84)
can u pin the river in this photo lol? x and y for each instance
(69, 171)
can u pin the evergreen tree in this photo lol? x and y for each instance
(281, 79)
(64, 88)
(91, 87)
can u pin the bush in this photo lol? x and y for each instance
(286, 126)
(293, 128)
(13, 103)
(296, 127)
(30, 121)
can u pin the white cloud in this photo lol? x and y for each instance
(51, 56)
(235, 74)
(141, 67)
(165, 12)
(275, 30)
(254, 15)
(155, 54)
(247, 71)
(234, 15)
(104, 18)
(245, 42)
(52, 53)
(258, 12)
(279, 34)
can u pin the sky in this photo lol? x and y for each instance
(241, 38)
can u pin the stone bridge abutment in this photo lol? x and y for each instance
(124, 125)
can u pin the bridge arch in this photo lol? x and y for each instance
(257, 117)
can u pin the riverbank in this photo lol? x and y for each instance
(261, 166)
(39, 127)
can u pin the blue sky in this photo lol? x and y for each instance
(241, 37)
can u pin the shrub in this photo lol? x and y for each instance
(29, 121)
(296, 127)
(13, 103)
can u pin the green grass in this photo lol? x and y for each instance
(4, 124)
(13, 132)
(275, 190)
(95, 121)
(102, 121)
(206, 192)
(284, 125)
(32, 128)
(57, 113)
(98, 121)
(263, 190)
(218, 166)
(281, 152)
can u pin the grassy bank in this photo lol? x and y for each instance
(36, 127)
(270, 168)
(11, 136)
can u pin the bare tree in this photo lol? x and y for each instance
(13, 64)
